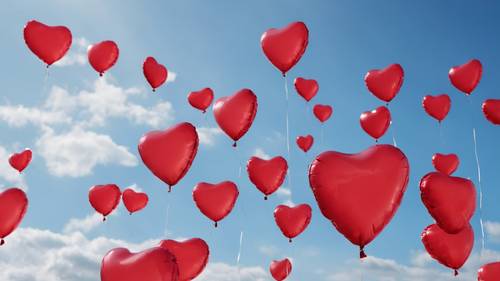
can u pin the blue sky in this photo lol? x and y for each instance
(217, 44)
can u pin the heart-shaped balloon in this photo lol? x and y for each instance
(280, 269)
(169, 154)
(445, 163)
(450, 250)
(284, 47)
(156, 74)
(451, 201)
(306, 88)
(491, 110)
(489, 272)
(155, 264)
(48, 43)
(201, 99)
(376, 122)
(13, 206)
(305, 142)
(103, 55)
(21, 160)
(215, 200)
(465, 77)
(235, 114)
(385, 83)
(292, 221)
(437, 106)
(191, 256)
(267, 175)
(360, 193)
(134, 201)
(104, 198)
(322, 112)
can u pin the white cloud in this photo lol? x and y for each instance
(77, 55)
(20, 116)
(171, 77)
(492, 230)
(8, 174)
(286, 195)
(134, 187)
(269, 250)
(85, 224)
(224, 272)
(208, 136)
(259, 152)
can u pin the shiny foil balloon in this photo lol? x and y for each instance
(191, 256)
(322, 112)
(21, 160)
(466, 77)
(134, 201)
(385, 83)
(284, 47)
(156, 74)
(169, 154)
(445, 163)
(215, 201)
(104, 198)
(48, 43)
(267, 175)
(306, 88)
(292, 221)
(201, 99)
(376, 122)
(280, 269)
(155, 264)
(437, 106)
(103, 55)
(13, 206)
(489, 272)
(360, 193)
(491, 110)
(305, 142)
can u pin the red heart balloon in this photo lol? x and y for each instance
(491, 110)
(450, 250)
(451, 201)
(155, 264)
(21, 160)
(201, 99)
(215, 200)
(235, 114)
(445, 163)
(489, 272)
(134, 201)
(170, 153)
(305, 142)
(385, 83)
(13, 206)
(191, 256)
(104, 198)
(156, 74)
(284, 47)
(292, 221)
(307, 88)
(376, 122)
(360, 193)
(437, 106)
(102, 56)
(465, 77)
(280, 269)
(267, 175)
(322, 112)
(48, 43)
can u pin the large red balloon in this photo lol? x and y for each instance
(267, 175)
(376, 122)
(306, 88)
(285, 46)
(491, 110)
(465, 77)
(360, 193)
(280, 269)
(155, 264)
(445, 163)
(489, 272)
(156, 74)
(13, 206)
(292, 221)
(48, 43)
(437, 106)
(385, 83)
(451, 201)
(134, 201)
(104, 198)
(103, 55)
(170, 153)
(450, 250)
(215, 200)
(305, 142)
(235, 114)
(322, 112)
(191, 256)
(201, 99)
(21, 160)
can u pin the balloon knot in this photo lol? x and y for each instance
(101, 74)
(362, 253)
(235, 144)
(204, 111)
(216, 224)
(47, 66)
(387, 104)
(455, 273)
(289, 240)
(169, 188)
(376, 140)
(2, 242)
(265, 197)
(284, 74)
(130, 213)
(104, 218)
(154, 90)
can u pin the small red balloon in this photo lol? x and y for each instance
(215, 201)
(489, 272)
(201, 99)
(134, 201)
(385, 83)
(306, 88)
(191, 256)
(491, 110)
(322, 112)
(437, 106)
(466, 77)
(305, 142)
(156, 74)
(103, 55)
(292, 221)
(445, 163)
(21, 160)
(280, 269)
(285, 46)
(104, 198)
(13, 206)
(48, 43)
(376, 122)
(267, 175)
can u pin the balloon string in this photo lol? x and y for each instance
(393, 132)
(239, 255)
(361, 268)
(480, 191)
(167, 215)
(289, 176)
(441, 135)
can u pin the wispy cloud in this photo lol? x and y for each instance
(77, 55)
(208, 135)
(259, 152)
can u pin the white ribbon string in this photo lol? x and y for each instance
(289, 160)
(480, 191)
(239, 255)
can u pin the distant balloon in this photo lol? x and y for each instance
(491, 110)
(267, 175)
(292, 221)
(21, 160)
(437, 106)
(215, 201)
(134, 201)
(376, 122)
(191, 256)
(156, 74)
(103, 55)
(306, 88)
(489, 272)
(466, 77)
(48, 43)
(280, 269)
(305, 142)
(201, 99)
(104, 198)
(13, 206)
(385, 83)
(322, 112)
(445, 163)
